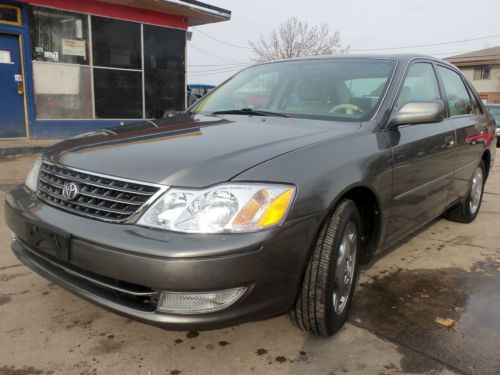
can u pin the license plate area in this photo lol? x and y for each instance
(49, 240)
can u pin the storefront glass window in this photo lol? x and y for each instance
(163, 69)
(60, 54)
(62, 91)
(118, 93)
(102, 78)
(116, 43)
(59, 36)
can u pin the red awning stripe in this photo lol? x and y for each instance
(115, 11)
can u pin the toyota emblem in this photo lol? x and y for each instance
(70, 191)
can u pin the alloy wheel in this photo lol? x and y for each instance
(345, 268)
(476, 191)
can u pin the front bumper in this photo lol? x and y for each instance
(122, 267)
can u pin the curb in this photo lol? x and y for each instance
(20, 151)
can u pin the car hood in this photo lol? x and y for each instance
(191, 151)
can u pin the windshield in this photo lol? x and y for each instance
(341, 89)
(495, 111)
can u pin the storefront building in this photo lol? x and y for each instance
(73, 66)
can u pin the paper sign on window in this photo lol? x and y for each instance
(73, 47)
(5, 57)
(56, 79)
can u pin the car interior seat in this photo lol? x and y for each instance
(308, 98)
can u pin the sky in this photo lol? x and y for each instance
(363, 24)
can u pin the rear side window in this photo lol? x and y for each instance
(457, 96)
(419, 85)
(476, 108)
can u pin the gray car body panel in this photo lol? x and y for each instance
(199, 152)
(415, 173)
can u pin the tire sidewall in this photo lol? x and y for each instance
(333, 321)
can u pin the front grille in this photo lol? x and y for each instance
(99, 197)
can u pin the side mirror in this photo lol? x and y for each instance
(412, 113)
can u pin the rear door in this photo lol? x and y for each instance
(423, 158)
(471, 129)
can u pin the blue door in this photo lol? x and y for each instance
(12, 115)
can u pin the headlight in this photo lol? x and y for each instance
(242, 207)
(32, 177)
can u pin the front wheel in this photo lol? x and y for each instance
(467, 211)
(328, 286)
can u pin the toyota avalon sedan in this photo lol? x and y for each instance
(261, 199)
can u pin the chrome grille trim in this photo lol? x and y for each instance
(87, 205)
(93, 183)
(101, 197)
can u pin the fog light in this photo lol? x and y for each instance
(194, 303)
(13, 236)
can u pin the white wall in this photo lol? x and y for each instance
(484, 85)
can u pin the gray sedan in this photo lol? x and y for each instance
(261, 199)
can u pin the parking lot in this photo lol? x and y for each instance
(447, 271)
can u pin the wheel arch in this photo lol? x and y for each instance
(369, 206)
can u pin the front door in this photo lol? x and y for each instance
(423, 159)
(12, 114)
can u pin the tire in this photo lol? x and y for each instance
(314, 310)
(468, 210)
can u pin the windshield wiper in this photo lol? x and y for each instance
(249, 111)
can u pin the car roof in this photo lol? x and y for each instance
(401, 57)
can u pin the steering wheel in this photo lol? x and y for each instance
(348, 109)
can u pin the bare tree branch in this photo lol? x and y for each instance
(295, 38)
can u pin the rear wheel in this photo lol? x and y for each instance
(328, 286)
(467, 211)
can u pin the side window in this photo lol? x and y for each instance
(457, 96)
(475, 104)
(420, 84)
